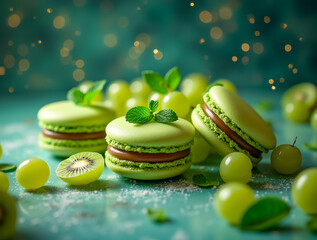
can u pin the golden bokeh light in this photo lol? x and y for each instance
(290, 66)
(24, 65)
(288, 47)
(78, 75)
(282, 80)
(245, 47)
(2, 70)
(205, 17)
(267, 19)
(64, 52)
(69, 44)
(192, 4)
(202, 40)
(216, 33)
(49, 10)
(110, 40)
(283, 25)
(271, 81)
(139, 47)
(77, 33)
(258, 48)
(9, 61)
(59, 22)
(245, 60)
(158, 56)
(257, 33)
(80, 63)
(273, 87)
(155, 51)
(23, 50)
(138, 8)
(39, 41)
(225, 13)
(136, 43)
(14, 20)
(251, 20)
(234, 59)
(143, 37)
(295, 70)
(11, 89)
(300, 39)
(11, 9)
(10, 43)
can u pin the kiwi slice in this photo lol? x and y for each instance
(302, 92)
(81, 168)
(8, 215)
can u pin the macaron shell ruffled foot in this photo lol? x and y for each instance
(68, 128)
(230, 124)
(150, 151)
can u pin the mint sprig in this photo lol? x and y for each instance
(264, 214)
(160, 84)
(202, 181)
(142, 115)
(157, 215)
(84, 98)
(4, 167)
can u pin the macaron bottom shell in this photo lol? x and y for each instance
(161, 171)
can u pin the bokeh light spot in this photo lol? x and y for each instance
(288, 47)
(267, 19)
(234, 59)
(295, 70)
(245, 60)
(245, 47)
(49, 10)
(158, 56)
(202, 40)
(216, 33)
(80, 63)
(110, 40)
(78, 75)
(225, 13)
(23, 50)
(271, 81)
(205, 17)
(9, 61)
(258, 48)
(69, 44)
(64, 52)
(14, 20)
(24, 65)
(2, 71)
(59, 22)
(257, 33)
(282, 80)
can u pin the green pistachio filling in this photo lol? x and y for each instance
(140, 149)
(71, 143)
(146, 165)
(221, 135)
(215, 108)
(72, 129)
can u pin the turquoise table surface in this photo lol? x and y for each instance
(115, 207)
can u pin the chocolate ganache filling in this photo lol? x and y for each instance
(74, 136)
(230, 133)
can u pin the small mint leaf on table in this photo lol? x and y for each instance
(139, 115)
(155, 81)
(76, 96)
(157, 215)
(173, 78)
(166, 116)
(153, 105)
(201, 181)
(264, 214)
(312, 225)
(4, 167)
(311, 146)
(213, 85)
(94, 90)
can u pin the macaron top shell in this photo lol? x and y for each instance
(67, 113)
(152, 134)
(243, 115)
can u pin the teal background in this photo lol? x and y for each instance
(173, 27)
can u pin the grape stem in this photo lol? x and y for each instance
(294, 141)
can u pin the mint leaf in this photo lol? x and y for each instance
(76, 96)
(153, 105)
(165, 116)
(312, 225)
(157, 215)
(311, 146)
(94, 90)
(4, 167)
(173, 78)
(155, 81)
(213, 85)
(264, 214)
(201, 181)
(139, 115)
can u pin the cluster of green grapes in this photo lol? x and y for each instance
(299, 104)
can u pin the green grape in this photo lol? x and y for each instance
(4, 182)
(177, 102)
(304, 191)
(140, 89)
(236, 167)
(227, 84)
(157, 97)
(313, 120)
(297, 111)
(193, 87)
(32, 173)
(84, 86)
(0, 151)
(135, 101)
(109, 104)
(286, 159)
(119, 91)
(200, 149)
(232, 200)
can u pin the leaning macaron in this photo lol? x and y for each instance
(68, 128)
(230, 124)
(149, 151)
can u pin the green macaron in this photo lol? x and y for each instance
(149, 151)
(230, 124)
(68, 128)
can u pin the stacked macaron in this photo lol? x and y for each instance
(230, 124)
(68, 128)
(149, 151)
